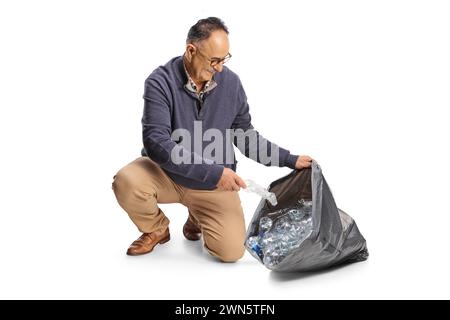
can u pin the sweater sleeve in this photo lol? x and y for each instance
(159, 146)
(252, 144)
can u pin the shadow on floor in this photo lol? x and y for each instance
(290, 276)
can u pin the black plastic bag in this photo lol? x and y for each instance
(330, 238)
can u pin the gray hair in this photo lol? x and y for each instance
(203, 28)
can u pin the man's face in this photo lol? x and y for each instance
(215, 48)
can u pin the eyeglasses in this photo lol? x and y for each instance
(215, 61)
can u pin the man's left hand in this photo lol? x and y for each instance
(303, 162)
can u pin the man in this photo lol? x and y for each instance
(194, 93)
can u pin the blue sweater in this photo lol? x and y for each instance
(169, 105)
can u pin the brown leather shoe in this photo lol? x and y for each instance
(147, 241)
(191, 230)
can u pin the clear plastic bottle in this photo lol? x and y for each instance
(252, 186)
(253, 244)
(265, 224)
(277, 238)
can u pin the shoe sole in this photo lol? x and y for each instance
(193, 238)
(162, 241)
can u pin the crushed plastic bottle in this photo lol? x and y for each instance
(252, 186)
(265, 224)
(253, 244)
(279, 236)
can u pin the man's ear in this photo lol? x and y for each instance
(190, 51)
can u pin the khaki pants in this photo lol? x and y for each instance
(142, 184)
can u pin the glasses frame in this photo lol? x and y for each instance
(216, 61)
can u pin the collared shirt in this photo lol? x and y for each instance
(191, 86)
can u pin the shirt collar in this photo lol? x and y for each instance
(191, 86)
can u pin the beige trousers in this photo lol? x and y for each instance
(142, 184)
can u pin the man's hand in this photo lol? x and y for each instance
(230, 181)
(303, 162)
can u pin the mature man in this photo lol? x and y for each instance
(191, 94)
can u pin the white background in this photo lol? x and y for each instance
(361, 86)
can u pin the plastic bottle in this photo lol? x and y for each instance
(252, 186)
(277, 238)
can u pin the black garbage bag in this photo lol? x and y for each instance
(305, 230)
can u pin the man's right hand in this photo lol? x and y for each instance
(230, 181)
